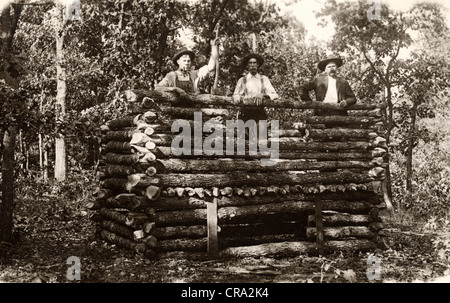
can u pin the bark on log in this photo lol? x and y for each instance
(182, 244)
(290, 143)
(173, 232)
(122, 122)
(128, 201)
(123, 242)
(224, 165)
(259, 179)
(341, 232)
(256, 213)
(255, 240)
(163, 152)
(113, 158)
(120, 229)
(185, 112)
(119, 147)
(332, 133)
(292, 249)
(114, 215)
(288, 210)
(335, 219)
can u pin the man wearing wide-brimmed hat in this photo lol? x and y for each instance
(184, 79)
(329, 87)
(253, 88)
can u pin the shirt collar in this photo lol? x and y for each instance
(257, 76)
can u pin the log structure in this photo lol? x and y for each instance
(175, 177)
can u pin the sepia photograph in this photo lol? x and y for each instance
(223, 150)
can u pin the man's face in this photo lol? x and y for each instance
(184, 63)
(331, 69)
(252, 66)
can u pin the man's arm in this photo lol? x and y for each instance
(205, 69)
(350, 97)
(306, 88)
(238, 91)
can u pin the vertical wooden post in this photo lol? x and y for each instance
(319, 225)
(213, 245)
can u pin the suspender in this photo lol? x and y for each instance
(263, 89)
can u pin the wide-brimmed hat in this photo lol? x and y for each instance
(322, 64)
(182, 52)
(258, 58)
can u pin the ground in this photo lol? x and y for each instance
(45, 241)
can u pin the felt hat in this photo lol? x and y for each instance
(322, 64)
(258, 58)
(182, 52)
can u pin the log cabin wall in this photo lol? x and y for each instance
(323, 194)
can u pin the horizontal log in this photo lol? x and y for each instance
(206, 99)
(293, 249)
(122, 242)
(268, 227)
(259, 179)
(119, 229)
(122, 122)
(173, 232)
(114, 215)
(335, 219)
(224, 165)
(164, 152)
(186, 202)
(177, 112)
(255, 213)
(290, 143)
(332, 133)
(341, 232)
(182, 245)
(255, 240)
(288, 210)
(119, 159)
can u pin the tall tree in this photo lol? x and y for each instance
(61, 93)
(8, 73)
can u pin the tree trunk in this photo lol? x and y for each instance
(7, 203)
(60, 145)
(409, 151)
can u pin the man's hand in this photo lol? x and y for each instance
(343, 104)
(180, 92)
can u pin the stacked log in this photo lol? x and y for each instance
(184, 201)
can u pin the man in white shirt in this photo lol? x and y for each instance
(329, 87)
(253, 89)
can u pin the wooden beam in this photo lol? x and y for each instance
(213, 244)
(319, 224)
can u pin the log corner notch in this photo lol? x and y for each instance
(216, 204)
